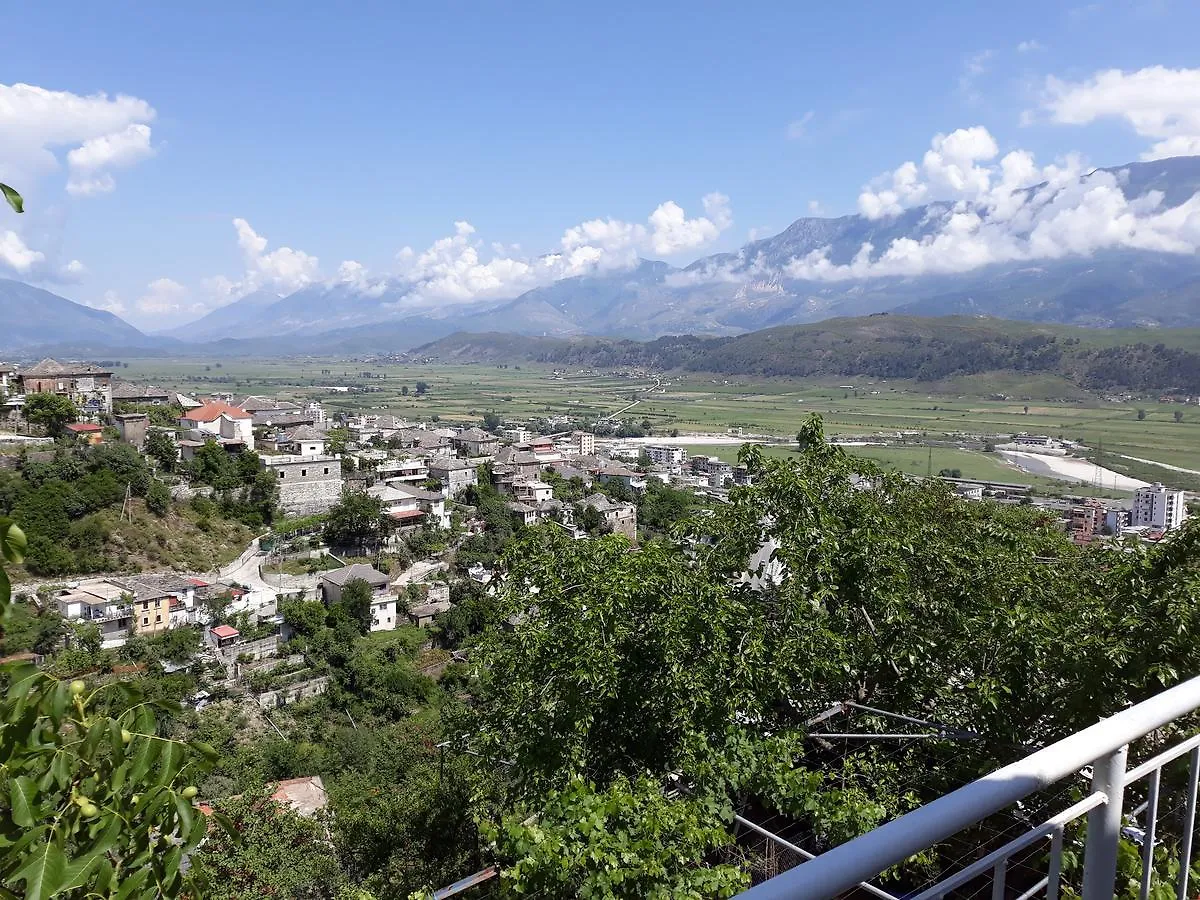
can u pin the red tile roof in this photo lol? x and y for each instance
(225, 631)
(83, 427)
(213, 410)
(407, 514)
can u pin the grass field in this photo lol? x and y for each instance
(698, 403)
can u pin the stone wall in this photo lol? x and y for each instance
(291, 693)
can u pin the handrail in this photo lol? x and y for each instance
(863, 858)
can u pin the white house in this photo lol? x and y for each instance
(383, 602)
(532, 491)
(224, 422)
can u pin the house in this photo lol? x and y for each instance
(102, 603)
(527, 514)
(584, 443)
(532, 491)
(383, 602)
(224, 636)
(86, 432)
(1087, 519)
(432, 503)
(403, 471)
(306, 440)
(517, 435)
(133, 427)
(401, 507)
(626, 477)
(218, 420)
(125, 392)
(423, 614)
(476, 442)
(621, 518)
(456, 475)
(8, 378)
(89, 387)
(307, 484)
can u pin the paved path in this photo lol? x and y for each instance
(417, 571)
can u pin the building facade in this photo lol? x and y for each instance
(456, 475)
(307, 484)
(666, 456)
(1158, 507)
(87, 386)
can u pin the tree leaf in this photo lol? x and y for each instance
(23, 793)
(43, 874)
(13, 198)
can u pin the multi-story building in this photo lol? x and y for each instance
(383, 601)
(403, 471)
(532, 492)
(307, 484)
(476, 442)
(89, 387)
(1086, 520)
(666, 456)
(456, 475)
(585, 443)
(1158, 507)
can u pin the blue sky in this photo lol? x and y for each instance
(348, 133)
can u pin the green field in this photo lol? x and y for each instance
(699, 403)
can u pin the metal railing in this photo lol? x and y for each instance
(1103, 747)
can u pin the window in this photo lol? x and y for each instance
(304, 473)
(327, 470)
(281, 474)
(145, 620)
(157, 620)
(145, 604)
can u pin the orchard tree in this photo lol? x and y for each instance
(161, 449)
(356, 521)
(51, 411)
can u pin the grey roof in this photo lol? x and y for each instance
(602, 503)
(369, 574)
(124, 390)
(477, 435)
(430, 609)
(450, 465)
(49, 367)
(305, 433)
(518, 506)
(418, 493)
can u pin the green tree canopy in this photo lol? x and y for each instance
(51, 411)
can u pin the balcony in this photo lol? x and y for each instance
(1121, 781)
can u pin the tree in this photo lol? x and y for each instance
(356, 600)
(1141, 415)
(1179, 415)
(100, 803)
(161, 449)
(422, 388)
(271, 852)
(158, 498)
(950, 473)
(51, 411)
(491, 421)
(404, 391)
(336, 439)
(356, 521)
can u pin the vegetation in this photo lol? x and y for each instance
(51, 411)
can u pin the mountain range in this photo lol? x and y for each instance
(722, 294)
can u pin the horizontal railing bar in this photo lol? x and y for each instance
(1036, 889)
(771, 836)
(1157, 762)
(1045, 830)
(958, 732)
(872, 737)
(866, 856)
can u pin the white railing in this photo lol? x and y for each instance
(1103, 748)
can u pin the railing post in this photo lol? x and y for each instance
(1104, 827)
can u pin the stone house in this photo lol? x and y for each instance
(125, 392)
(620, 517)
(456, 475)
(476, 442)
(87, 386)
(616, 474)
(305, 440)
(383, 602)
(307, 484)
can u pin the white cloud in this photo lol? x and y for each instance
(1030, 46)
(111, 303)
(798, 128)
(283, 269)
(16, 255)
(1160, 104)
(815, 208)
(121, 148)
(974, 66)
(163, 296)
(989, 211)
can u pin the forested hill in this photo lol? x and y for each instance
(882, 346)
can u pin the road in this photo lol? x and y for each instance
(417, 572)
(244, 571)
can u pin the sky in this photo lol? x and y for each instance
(177, 156)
